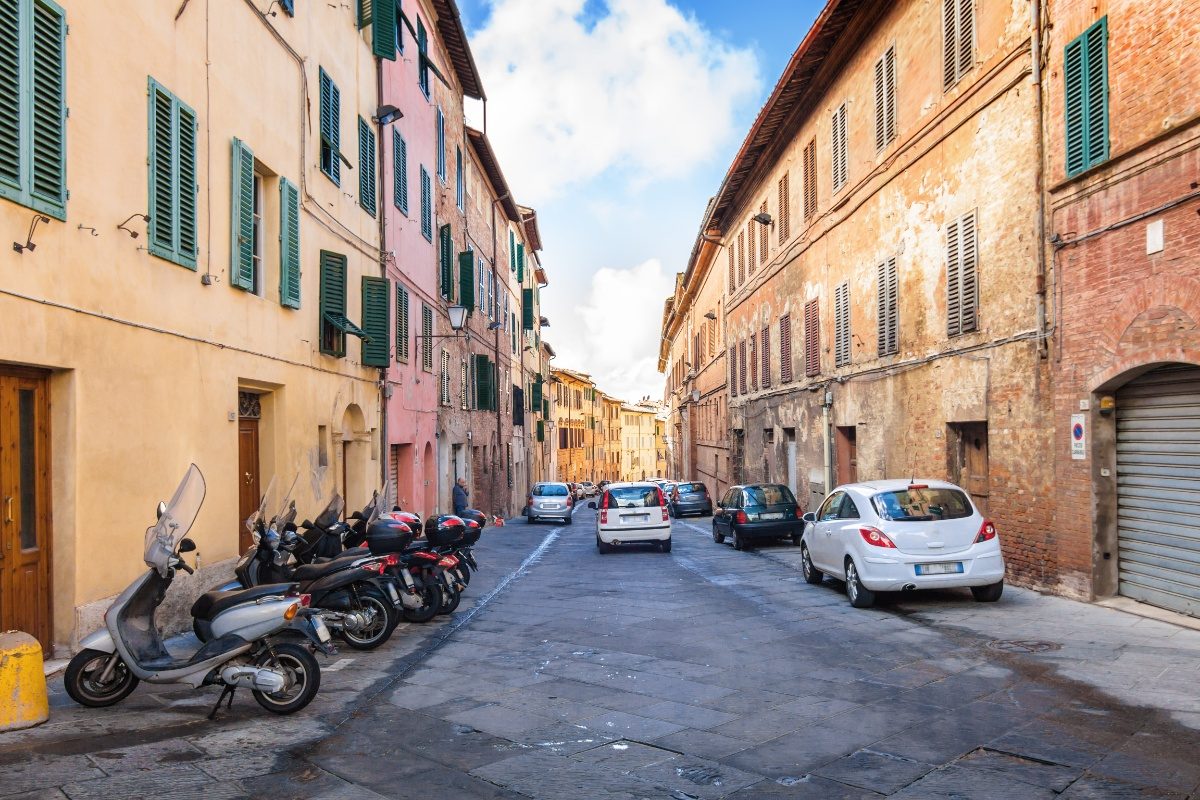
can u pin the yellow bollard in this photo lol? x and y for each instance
(23, 701)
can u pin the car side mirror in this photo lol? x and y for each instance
(162, 509)
(186, 545)
(592, 504)
(810, 516)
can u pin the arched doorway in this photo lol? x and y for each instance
(353, 479)
(1158, 488)
(429, 476)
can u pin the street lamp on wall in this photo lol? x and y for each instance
(458, 319)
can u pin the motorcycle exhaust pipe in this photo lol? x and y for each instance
(260, 678)
(908, 587)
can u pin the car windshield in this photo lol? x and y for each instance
(768, 495)
(550, 490)
(690, 488)
(632, 497)
(921, 504)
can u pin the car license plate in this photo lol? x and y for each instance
(945, 568)
(551, 505)
(322, 631)
(638, 517)
(775, 515)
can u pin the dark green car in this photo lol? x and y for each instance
(757, 511)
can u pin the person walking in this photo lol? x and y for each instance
(460, 496)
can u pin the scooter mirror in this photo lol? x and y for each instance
(162, 509)
(186, 545)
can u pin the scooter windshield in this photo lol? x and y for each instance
(332, 513)
(164, 536)
(287, 509)
(253, 519)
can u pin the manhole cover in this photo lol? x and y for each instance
(1023, 646)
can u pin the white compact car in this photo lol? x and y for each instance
(897, 535)
(632, 513)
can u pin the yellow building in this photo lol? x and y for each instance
(641, 442)
(574, 418)
(197, 238)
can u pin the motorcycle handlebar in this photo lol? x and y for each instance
(184, 566)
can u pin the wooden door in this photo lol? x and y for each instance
(25, 504)
(973, 461)
(847, 455)
(249, 485)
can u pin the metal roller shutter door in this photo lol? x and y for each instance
(1158, 489)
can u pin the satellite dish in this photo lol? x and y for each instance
(695, 395)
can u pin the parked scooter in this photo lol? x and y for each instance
(251, 651)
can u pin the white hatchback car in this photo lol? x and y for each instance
(897, 535)
(632, 513)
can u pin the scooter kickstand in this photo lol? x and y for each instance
(226, 692)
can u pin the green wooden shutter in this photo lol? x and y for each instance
(402, 337)
(446, 260)
(331, 127)
(289, 244)
(11, 182)
(541, 431)
(537, 395)
(366, 166)
(375, 348)
(527, 309)
(241, 263)
(333, 302)
(483, 387)
(189, 242)
(1085, 77)
(520, 263)
(172, 162)
(383, 29)
(426, 205)
(422, 57)
(399, 172)
(512, 251)
(546, 407)
(466, 280)
(48, 120)
(365, 14)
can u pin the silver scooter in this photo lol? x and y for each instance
(257, 647)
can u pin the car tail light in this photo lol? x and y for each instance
(665, 517)
(799, 513)
(373, 566)
(391, 560)
(986, 531)
(604, 517)
(305, 600)
(740, 517)
(876, 538)
(570, 502)
(529, 500)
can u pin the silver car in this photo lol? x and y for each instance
(549, 500)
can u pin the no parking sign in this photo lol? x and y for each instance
(1078, 437)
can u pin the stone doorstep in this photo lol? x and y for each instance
(1131, 606)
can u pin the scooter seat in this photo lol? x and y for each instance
(308, 572)
(210, 604)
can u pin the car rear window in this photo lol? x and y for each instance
(768, 495)
(631, 497)
(691, 488)
(549, 490)
(922, 504)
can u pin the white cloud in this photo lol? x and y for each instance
(640, 88)
(613, 333)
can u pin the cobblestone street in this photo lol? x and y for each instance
(704, 673)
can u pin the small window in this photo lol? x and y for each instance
(399, 172)
(426, 205)
(885, 99)
(888, 313)
(841, 325)
(422, 58)
(257, 242)
(838, 148)
(331, 127)
(961, 279)
(441, 146)
(958, 38)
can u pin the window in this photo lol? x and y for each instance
(916, 504)
(426, 205)
(889, 309)
(462, 391)
(732, 283)
(366, 167)
(750, 242)
(485, 384)
(810, 179)
(958, 37)
(753, 356)
(246, 228)
(33, 110)
(334, 324)
(399, 172)
(785, 202)
(375, 295)
(173, 227)
(446, 260)
(444, 379)
(812, 338)
(331, 127)
(885, 99)
(426, 338)
(762, 236)
(741, 255)
(441, 146)
(742, 367)
(785, 348)
(838, 149)
(422, 58)
(1085, 70)
(765, 344)
(841, 325)
(402, 323)
(399, 26)
(289, 244)
(458, 177)
(961, 282)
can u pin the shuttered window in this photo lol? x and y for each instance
(466, 282)
(958, 40)
(742, 366)
(961, 280)
(458, 178)
(518, 406)
(444, 379)
(841, 325)
(785, 348)
(1085, 67)
(331, 127)
(810, 179)
(485, 384)
(462, 384)
(732, 281)
(441, 145)
(753, 357)
(384, 16)
(750, 242)
(426, 205)
(733, 372)
(426, 338)
(33, 110)
(376, 293)
(785, 209)
(888, 312)
(520, 262)
(422, 58)
(763, 236)
(765, 344)
(402, 329)
(333, 303)
(541, 431)
(885, 99)
(366, 167)
(289, 244)
(173, 231)
(512, 251)
(527, 309)
(838, 148)
(741, 257)
(399, 172)
(446, 261)
(812, 338)
(241, 262)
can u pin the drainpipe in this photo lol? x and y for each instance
(1036, 56)
(496, 346)
(385, 389)
(826, 422)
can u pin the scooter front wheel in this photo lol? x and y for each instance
(83, 679)
(373, 602)
(302, 672)
(431, 601)
(450, 601)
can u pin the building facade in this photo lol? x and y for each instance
(574, 394)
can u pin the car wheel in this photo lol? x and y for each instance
(719, 538)
(796, 539)
(811, 573)
(665, 546)
(602, 547)
(566, 520)
(740, 542)
(860, 596)
(528, 520)
(990, 593)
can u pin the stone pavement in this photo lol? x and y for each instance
(704, 673)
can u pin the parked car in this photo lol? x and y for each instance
(589, 489)
(897, 535)
(549, 500)
(755, 512)
(632, 513)
(691, 498)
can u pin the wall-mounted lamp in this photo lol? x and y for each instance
(82, 227)
(495, 326)
(29, 245)
(387, 114)
(710, 315)
(458, 318)
(132, 233)
(762, 218)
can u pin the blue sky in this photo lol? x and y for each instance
(616, 120)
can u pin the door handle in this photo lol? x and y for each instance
(249, 478)
(8, 509)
